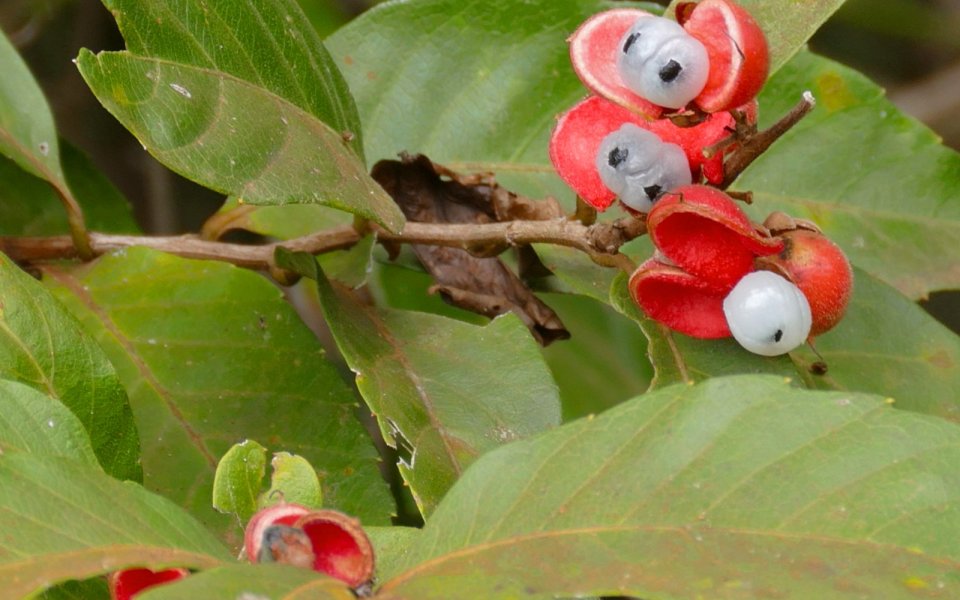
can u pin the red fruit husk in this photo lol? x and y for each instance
(593, 52)
(576, 140)
(737, 47)
(578, 133)
(340, 546)
(705, 233)
(284, 513)
(822, 272)
(679, 300)
(125, 584)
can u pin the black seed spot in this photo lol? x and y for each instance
(617, 156)
(778, 335)
(652, 191)
(670, 71)
(630, 40)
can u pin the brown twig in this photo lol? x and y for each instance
(757, 144)
(599, 240)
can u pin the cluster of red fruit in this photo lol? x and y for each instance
(323, 540)
(668, 97)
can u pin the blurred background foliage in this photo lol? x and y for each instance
(911, 47)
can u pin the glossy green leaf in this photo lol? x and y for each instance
(241, 97)
(268, 43)
(33, 422)
(29, 206)
(293, 480)
(253, 582)
(212, 355)
(444, 392)
(66, 520)
(877, 182)
(88, 589)
(884, 345)
(27, 133)
(237, 481)
(603, 363)
(43, 346)
(234, 136)
(390, 547)
(787, 24)
(497, 73)
(731, 488)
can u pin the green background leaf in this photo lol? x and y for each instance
(237, 481)
(43, 346)
(293, 480)
(29, 206)
(36, 423)
(443, 391)
(27, 133)
(745, 481)
(234, 136)
(213, 355)
(66, 520)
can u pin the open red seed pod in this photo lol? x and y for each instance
(593, 54)
(341, 548)
(679, 300)
(579, 132)
(737, 47)
(704, 232)
(279, 514)
(125, 584)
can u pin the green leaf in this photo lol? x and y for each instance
(390, 546)
(253, 582)
(444, 392)
(884, 345)
(726, 489)
(43, 346)
(293, 480)
(234, 136)
(66, 520)
(787, 24)
(29, 206)
(603, 363)
(495, 82)
(212, 355)
(36, 423)
(237, 481)
(269, 43)
(878, 183)
(27, 133)
(88, 589)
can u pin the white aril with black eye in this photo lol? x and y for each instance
(658, 60)
(767, 314)
(638, 166)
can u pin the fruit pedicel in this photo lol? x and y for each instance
(671, 100)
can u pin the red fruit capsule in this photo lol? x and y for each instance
(126, 584)
(735, 45)
(340, 546)
(679, 300)
(704, 232)
(580, 131)
(820, 269)
(593, 54)
(278, 514)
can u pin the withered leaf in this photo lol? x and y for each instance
(429, 193)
